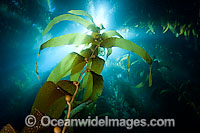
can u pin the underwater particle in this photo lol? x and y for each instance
(57, 129)
(67, 98)
(119, 75)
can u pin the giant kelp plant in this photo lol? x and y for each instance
(84, 69)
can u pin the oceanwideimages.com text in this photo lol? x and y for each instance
(99, 122)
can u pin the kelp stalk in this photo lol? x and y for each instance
(77, 87)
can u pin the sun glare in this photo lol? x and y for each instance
(100, 14)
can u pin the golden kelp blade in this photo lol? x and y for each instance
(94, 85)
(150, 77)
(51, 98)
(76, 71)
(81, 12)
(85, 80)
(182, 29)
(166, 28)
(67, 86)
(47, 95)
(128, 60)
(75, 38)
(63, 68)
(89, 25)
(97, 86)
(110, 33)
(97, 65)
(89, 86)
(140, 85)
(57, 108)
(130, 46)
(127, 45)
(163, 27)
(86, 53)
(172, 29)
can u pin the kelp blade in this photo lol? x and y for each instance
(150, 77)
(51, 97)
(166, 29)
(110, 33)
(89, 25)
(97, 86)
(57, 108)
(81, 12)
(93, 84)
(85, 80)
(128, 60)
(140, 85)
(76, 71)
(127, 45)
(47, 95)
(97, 65)
(89, 87)
(67, 86)
(130, 46)
(63, 68)
(74, 38)
(86, 53)
(78, 59)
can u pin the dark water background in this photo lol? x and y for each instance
(21, 25)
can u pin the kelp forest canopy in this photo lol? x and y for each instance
(179, 17)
